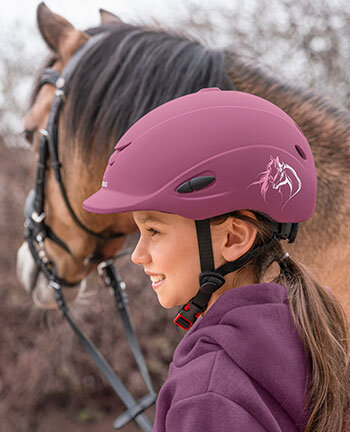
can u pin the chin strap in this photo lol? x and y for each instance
(211, 279)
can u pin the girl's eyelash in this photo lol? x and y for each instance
(152, 231)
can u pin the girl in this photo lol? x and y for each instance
(215, 180)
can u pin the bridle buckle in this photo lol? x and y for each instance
(56, 286)
(103, 274)
(38, 218)
(44, 132)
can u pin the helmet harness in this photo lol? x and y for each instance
(211, 279)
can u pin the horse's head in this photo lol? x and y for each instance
(79, 181)
(125, 71)
(275, 172)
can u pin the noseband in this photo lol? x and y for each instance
(36, 231)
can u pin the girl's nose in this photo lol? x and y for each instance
(140, 255)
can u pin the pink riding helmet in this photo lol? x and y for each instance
(256, 154)
(209, 153)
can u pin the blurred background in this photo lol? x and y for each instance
(47, 382)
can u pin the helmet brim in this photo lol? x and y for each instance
(109, 201)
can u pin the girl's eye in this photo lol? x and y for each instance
(153, 231)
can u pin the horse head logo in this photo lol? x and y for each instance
(276, 175)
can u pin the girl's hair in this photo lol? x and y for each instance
(321, 323)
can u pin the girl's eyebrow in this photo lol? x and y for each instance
(151, 219)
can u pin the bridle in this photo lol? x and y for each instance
(36, 231)
(48, 147)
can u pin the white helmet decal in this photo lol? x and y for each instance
(278, 174)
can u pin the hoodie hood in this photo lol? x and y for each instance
(254, 327)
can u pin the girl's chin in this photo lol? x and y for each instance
(165, 303)
(170, 305)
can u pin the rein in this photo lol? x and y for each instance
(36, 230)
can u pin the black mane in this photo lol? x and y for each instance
(128, 73)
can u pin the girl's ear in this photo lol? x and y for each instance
(239, 237)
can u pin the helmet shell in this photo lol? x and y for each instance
(259, 158)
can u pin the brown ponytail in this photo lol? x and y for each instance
(321, 323)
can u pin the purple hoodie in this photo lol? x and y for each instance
(241, 368)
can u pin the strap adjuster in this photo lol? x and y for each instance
(210, 281)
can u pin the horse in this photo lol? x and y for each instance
(131, 70)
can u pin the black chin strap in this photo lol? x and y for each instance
(211, 279)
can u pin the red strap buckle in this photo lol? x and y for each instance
(185, 322)
(182, 322)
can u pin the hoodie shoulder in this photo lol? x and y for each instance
(247, 295)
(209, 412)
(246, 349)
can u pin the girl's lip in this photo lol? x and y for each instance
(153, 274)
(155, 285)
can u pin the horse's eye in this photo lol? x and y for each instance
(28, 135)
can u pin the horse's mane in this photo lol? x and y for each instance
(136, 68)
(112, 87)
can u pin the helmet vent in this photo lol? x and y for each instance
(123, 146)
(195, 183)
(300, 151)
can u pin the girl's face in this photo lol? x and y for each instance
(168, 246)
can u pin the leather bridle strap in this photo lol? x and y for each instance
(49, 76)
(108, 273)
(49, 136)
(36, 231)
(110, 277)
(134, 408)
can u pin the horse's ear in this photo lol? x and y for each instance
(58, 33)
(108, 17)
